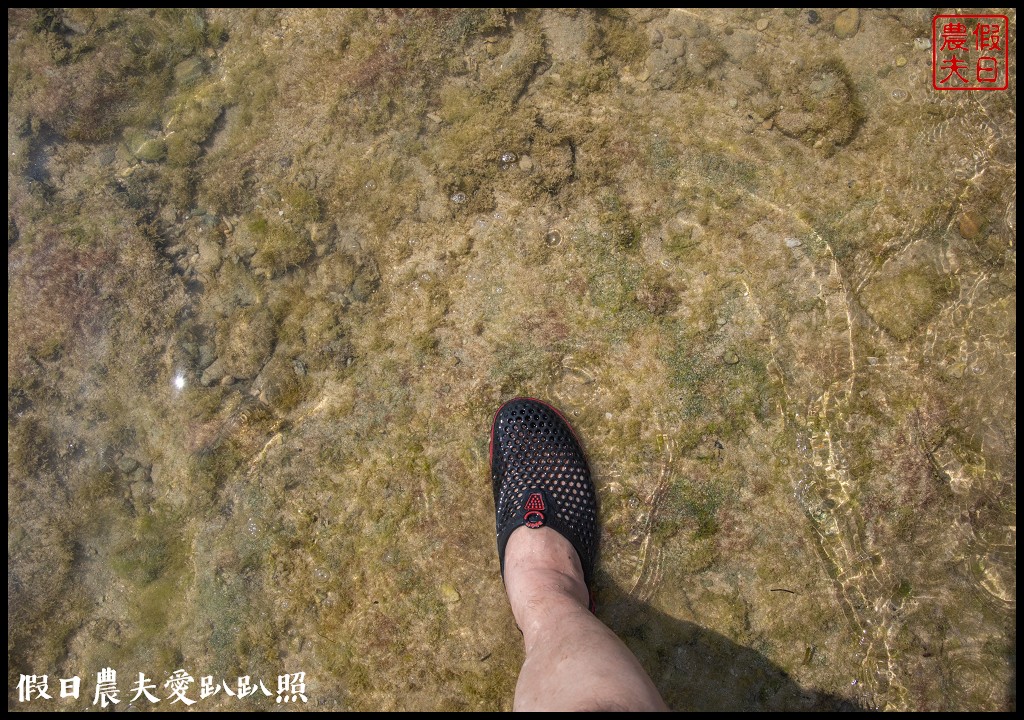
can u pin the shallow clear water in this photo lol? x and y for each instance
(270, 274)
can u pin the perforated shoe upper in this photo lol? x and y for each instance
(541, 479)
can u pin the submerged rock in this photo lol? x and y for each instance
(278, 386)
(337, 272)
(127, 464)
(904, 298)
(213, 373)
(847, 23)
(242, 241)
(365, 285)
(666, 64)
(209, 254)
(825, 112)
(280, 249)
(970, 224)
(449, 595)
(246, 341)
(151, 150)
(189, 70)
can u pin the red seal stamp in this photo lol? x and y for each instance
(970, 52)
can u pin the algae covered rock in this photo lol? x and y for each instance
(246, 341)
(353, 276)
(153, 150)
(189, 70)
(554, 159)
(667, 63)
(242, 241)
(281, 248)
(194, 116)
(144, 145)
(825, 112)
(682, 51)
(280, 385)
(905, 297)
(337, 273)
(209, 254)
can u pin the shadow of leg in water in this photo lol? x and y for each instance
(698, 669)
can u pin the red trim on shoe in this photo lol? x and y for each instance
(534, 515)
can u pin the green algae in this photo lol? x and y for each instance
(282, 248)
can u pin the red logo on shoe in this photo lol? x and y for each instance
(534, 518)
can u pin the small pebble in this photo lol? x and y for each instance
(449, 595)
(847, 23)
(922, 43)
(127, 464)
(813, 17)
(730, 357)
(792, 242)
(901, 61)
(733, 102)
(970, 224)
(762, 24)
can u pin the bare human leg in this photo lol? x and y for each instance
(573, 661)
